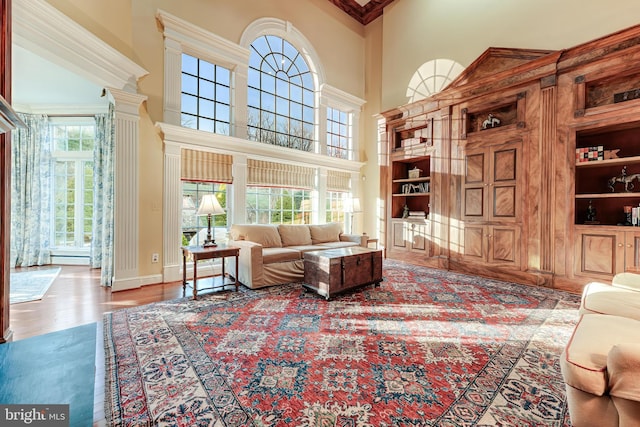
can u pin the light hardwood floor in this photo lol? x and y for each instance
(76, 298)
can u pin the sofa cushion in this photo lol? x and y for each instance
(273, 255)
(308, 248)
(294, 234)
(325, 233)
(584, 360)
(265, 234)
(606, 299)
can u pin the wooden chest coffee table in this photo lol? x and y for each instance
(331, 271)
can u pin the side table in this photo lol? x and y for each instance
(197, 253)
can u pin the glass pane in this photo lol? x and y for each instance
(206, 125)
(296, 111)
(189, 84)
(253, 78)
(223, 94)
(308, 98)
(223, 75)
(222, 128)
(207, 89)
(268, 83)
(268, 102)
(207, 108)
(282, 106)
(253, 97)
(189, 121)
(207, 70)
(307, 114)
(189, 104)
(189, 64)
(275, 43)
(282, 88)
(295, 93)
(222, 113)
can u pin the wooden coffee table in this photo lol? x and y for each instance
(330, 271)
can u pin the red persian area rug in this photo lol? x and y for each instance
(426, 348)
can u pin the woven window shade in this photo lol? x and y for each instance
(204, 166)
(260, 172)
(338, 181)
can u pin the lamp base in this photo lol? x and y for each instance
(209, 244)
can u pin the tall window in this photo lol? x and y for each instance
(272, 205)
(336, 203)
(338, 134)
(194, 227)
(280, 95)
(72, 184)
(206, 94)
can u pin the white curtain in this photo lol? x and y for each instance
(103, 192)
(30, 192)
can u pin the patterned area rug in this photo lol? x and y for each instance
(31, 285)
(426, 348)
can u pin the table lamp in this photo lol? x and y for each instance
(209, 206)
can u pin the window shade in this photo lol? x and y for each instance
(205, 166)
(338, 181)
(260, 172)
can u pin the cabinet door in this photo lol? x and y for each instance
(490, 187)
(419, 234)
(475, 183)
(599, 253)
(632, 250)
(504, 245)
(475, 242)
(398, 235)
(503, 179)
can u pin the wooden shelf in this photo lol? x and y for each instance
(607, 195)
(610, 162)
(410, 194)
(420, 179)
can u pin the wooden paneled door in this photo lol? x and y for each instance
(490, 189)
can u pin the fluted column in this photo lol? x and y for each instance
(172, 81)
(171, 217)
(126, 197)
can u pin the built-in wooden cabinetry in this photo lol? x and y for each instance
(501, 148)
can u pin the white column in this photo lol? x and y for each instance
(171, 214)
(126, 197)
(239, 198)
(172, 82)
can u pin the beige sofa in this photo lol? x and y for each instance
(272, 254)
(601, 362)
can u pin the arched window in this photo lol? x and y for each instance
(281, 95)
(432, 77)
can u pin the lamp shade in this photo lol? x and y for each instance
(209, 205)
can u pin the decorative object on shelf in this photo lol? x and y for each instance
(417, 214)
(422, 187)
(591, 214)
(626, 96)
(491, 122)
(414, 173)
(405, 211)
(628, 215)
(209, 206)
(623, 178)
(611, 154)
(589, 154)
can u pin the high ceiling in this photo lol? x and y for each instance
(363, 11)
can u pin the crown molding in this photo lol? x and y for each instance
(44, 30)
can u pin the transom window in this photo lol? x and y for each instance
(281, 96)
(72, 184)
(276, 205)
(338, 133)
(206, 94)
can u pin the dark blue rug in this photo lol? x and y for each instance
(55, 368)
